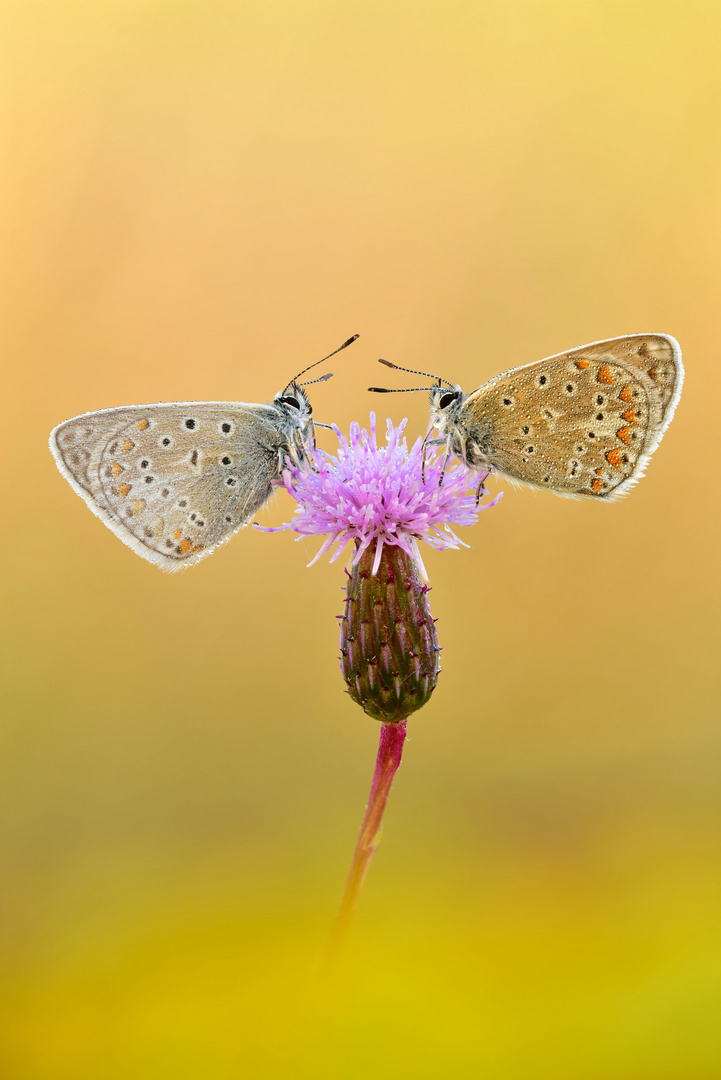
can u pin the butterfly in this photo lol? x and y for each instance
(174, 480)
(580, 423)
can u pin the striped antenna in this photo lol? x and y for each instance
(410, 371)
(294, 382)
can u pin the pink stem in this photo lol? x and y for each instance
(390, 750)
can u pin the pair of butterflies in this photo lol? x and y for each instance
(173, 481)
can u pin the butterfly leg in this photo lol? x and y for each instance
(427, 442)
(445, 462)
(424, 444)
(481, 489)
(311, 443)
(299, 452)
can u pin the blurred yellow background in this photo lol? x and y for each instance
(198, 200)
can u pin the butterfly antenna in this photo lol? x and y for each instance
(411, 371)
(408, 390)
(294, 382)
(323, 378)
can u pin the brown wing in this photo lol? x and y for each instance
(583, 422)
(172, 480)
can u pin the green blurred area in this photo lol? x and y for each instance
(197, 201)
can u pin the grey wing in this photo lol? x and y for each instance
(173, 481)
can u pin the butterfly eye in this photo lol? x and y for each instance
(446, 400)
(288, 400)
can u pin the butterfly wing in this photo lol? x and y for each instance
(173, 481)
(583, 422)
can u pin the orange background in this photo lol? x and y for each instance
(198, 200)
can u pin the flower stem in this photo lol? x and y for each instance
(390, 750)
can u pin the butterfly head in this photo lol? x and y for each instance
(444, 400)
(445, 406)
(295, 404)
(296, 419)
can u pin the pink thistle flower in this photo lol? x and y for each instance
(366, 493)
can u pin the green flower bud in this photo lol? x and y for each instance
(388, 642)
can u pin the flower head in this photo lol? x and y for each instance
(366, 493)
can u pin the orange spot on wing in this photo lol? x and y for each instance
(625, 394)
(142, 424)
(124, 489)
(624, 434)
(198, 547)
(176, 535)
(185, 545)
(605, 375)
(126, 445)
(117, 469)
(613, 457)
(138, 506)
(628, 416)
(597, 485)
(581, 364)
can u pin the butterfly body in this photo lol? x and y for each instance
(580, 423)
(174, 480)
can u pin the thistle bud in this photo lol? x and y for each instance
(388, 642)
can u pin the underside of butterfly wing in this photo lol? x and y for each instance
(173, 481)
(582, 423)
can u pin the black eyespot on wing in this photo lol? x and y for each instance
(226, 428)
(225, 460)
(190, 424)
(231, 481)
(542, 380)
